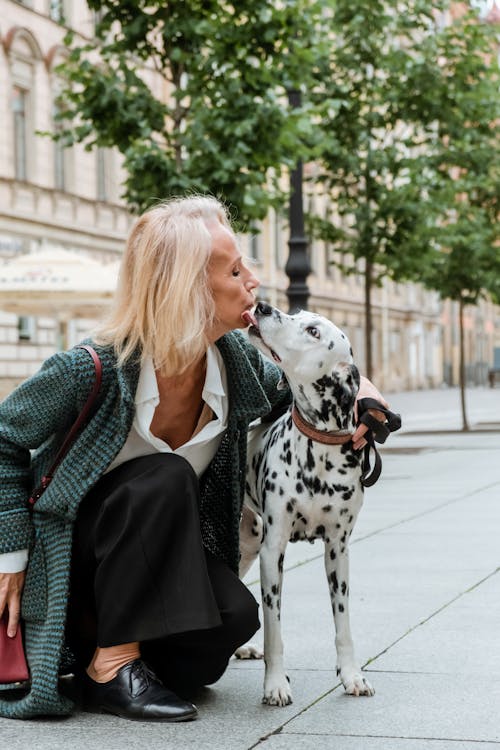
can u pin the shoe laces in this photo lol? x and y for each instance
(141, 673)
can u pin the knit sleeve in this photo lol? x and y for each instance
(269, 376)
(41, 406)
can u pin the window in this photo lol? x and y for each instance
(56, 11)
(102, 186)
(24, 55)
(59, 155)
(254, 242)
(19, 108)
(26, 328)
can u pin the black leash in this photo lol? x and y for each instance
(377, 431)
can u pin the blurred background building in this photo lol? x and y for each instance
(61, 215)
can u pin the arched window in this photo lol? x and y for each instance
(23, 54)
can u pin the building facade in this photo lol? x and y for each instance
(69, 198)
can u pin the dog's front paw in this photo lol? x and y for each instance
(249, 651)
(354, 682)
(277, 691)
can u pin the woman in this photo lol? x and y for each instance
(146, 504)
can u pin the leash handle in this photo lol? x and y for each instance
(378, 431)
(70, 437)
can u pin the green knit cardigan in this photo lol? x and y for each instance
(33, 421)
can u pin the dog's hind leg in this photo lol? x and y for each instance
(337, 572)
(250, 539)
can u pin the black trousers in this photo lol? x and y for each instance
(140, 572)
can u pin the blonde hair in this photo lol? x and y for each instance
(163, 304)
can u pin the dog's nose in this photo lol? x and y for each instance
(263, 309)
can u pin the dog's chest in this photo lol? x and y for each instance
(309, 490)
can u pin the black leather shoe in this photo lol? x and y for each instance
(136, 693)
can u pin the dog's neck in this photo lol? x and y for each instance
(327, 437)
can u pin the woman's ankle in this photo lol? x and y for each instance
(107, 661)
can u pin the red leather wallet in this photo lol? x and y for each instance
(13, 666)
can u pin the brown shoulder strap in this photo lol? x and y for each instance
(79, 422)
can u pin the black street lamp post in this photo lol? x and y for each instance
(297, 266)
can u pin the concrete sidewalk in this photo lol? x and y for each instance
(425, 608)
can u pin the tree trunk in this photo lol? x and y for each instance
(465, 425)
(368, 318)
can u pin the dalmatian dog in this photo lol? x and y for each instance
(304, 480)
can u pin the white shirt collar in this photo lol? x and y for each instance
(213, 390)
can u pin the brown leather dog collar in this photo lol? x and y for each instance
(319, 436)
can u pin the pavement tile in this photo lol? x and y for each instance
(412, 706)
(321, 742)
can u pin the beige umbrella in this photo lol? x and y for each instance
(57, 283)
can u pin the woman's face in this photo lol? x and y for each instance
(231, 282)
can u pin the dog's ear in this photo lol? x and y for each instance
(347, 380)
(354, 374)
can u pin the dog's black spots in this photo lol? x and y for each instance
(342, 471)
(268, 601)
(341, 607)
(321, 385)
(270, 520)
(337, 526)
(326, 508)
(275, 588)
(299, 487)
(269, 486)
(333, 579)
(280, 562)
(274, 475)
(349, 520)
(310, 462)
(347, 494)
(328, 465)
(342, 336)
(343, 588)
(281, 492)
(343, 511)
(351, 352)
(331, 345)
(351, 461)
(320, 365)
(343, 537)
(320, 530)
(332, 554)
(289, 506)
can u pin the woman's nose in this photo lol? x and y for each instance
(252, 283)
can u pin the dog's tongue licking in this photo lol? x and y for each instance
(249, 318)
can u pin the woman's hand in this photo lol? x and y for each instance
(367, 390)
(11, 586)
